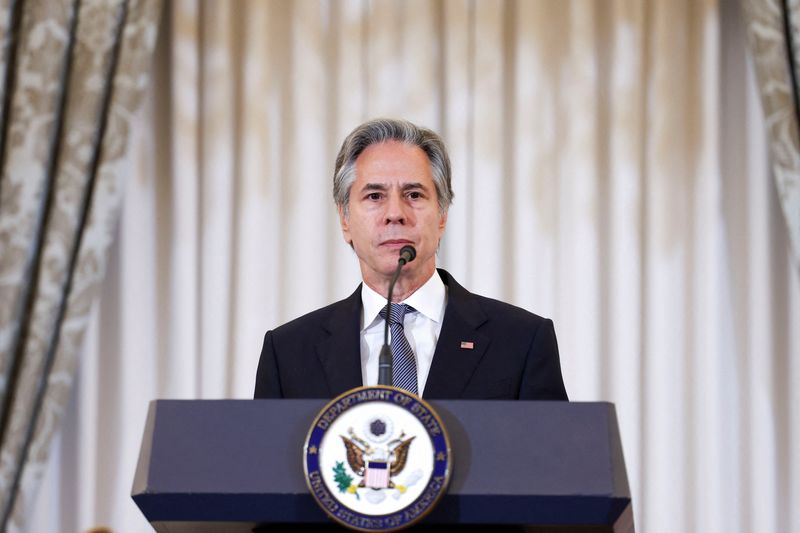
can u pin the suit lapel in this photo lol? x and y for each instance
(453, 362)
(340, 353)
(452, 366)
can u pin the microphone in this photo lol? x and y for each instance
(407, 254)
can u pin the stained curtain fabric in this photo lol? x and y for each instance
(610, 170)
(73, 73)
(773, 29)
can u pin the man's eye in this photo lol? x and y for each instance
(415, 195)
(374, 196)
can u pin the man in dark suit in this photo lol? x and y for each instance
(392, 189)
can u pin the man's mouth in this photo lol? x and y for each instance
(391, 243)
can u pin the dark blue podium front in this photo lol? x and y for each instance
(231, 465)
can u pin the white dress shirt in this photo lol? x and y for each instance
(422, 328)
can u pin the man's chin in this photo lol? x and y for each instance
(383, 271)
(388, 263)
(387, 266)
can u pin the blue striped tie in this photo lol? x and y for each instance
(404, 373)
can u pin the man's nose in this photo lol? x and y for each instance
(395, 209)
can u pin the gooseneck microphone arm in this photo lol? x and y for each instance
(407, 254)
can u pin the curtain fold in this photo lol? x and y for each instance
(610, 171)
(76, 76)
(773, 30)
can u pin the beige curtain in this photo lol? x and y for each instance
(610, 173)
(773, 29)
(73, 74)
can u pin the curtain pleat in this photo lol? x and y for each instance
(79, 72)
(773, 30)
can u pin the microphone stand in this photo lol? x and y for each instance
(407, 254)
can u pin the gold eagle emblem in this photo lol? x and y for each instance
(358, 451)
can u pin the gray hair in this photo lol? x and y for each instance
(382, 130)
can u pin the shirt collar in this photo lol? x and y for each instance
(428, 300)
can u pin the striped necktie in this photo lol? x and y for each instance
(404, 373)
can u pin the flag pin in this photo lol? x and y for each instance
(467, 345)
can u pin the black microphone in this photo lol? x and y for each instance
(407, 254)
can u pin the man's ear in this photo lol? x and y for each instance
(442, 224)
(344, 223)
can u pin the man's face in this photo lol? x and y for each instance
(393, 203)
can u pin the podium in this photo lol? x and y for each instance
(237, 465)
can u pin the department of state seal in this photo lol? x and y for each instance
(377, 459)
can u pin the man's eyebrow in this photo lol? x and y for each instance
(374, 187)
(384, 187)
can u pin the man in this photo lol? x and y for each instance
(392, 188)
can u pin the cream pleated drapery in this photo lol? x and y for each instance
(773, 28)
(72, 75)
(610, 170)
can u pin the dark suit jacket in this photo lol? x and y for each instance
(514, 354)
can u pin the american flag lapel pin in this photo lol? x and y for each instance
(467, 345)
